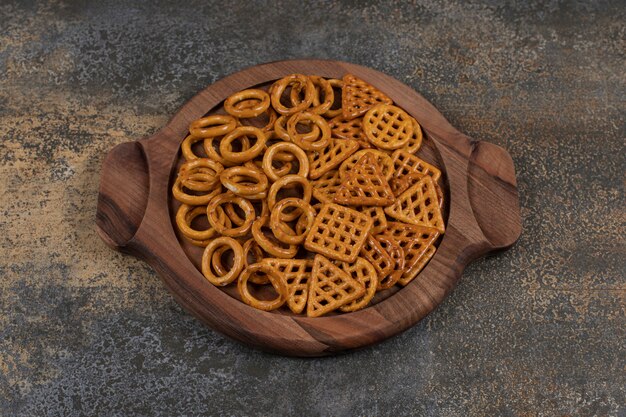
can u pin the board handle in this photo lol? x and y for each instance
(493, 196)
(123, 195)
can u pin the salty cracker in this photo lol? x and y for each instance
(325, 187)
(338, 232)
(349, 129)
(405, 163)
(373, 252)
(357, 97)
(330, 288)
(377, 214)
(419, 205)
(387, 127)
(414, 241)
(409, 275)
(384, 160)
(365, 185)
(330, 157)
(297, 274)
(365, 273)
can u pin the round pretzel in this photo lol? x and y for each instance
(284, 148)
(320, 84)
(250, 247)
(244, 155)
(221, 227)
(184, 216)
(287, 180)
(275, 278)
(335, 83)
(282, 231)
(271, 117)
(201, 174)
(317, 144)
(278, 88)
(193, 200)
(185, 147)
(280, 130)
(207, 260)
(214, 125)
(213, 154)
(252, 108)
(273, 248)
(245, 182)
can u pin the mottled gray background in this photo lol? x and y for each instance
(538, 330)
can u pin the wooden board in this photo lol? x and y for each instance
(135, 211)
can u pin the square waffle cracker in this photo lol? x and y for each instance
(357, 97)
(325, 187)
(349, 129)
(373, 252)
(331, 156)
(405, 163)
(338, 232)
(410, 274)
(365, 273)
(377, 214)
(365, 185)
(419, 205)
(330, 288)
(414, 241)
(297, 274)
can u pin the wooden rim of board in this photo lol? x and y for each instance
(133, 216)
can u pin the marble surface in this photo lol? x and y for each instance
(537, 330)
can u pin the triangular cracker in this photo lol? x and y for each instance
(357, 97)
(320, 162)
(330, 288)
(325, 187)
(365, 185)
(418, 205)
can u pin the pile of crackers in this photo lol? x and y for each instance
(309, 195)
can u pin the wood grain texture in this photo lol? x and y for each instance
(133, 216)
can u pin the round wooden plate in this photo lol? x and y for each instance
(134, 215)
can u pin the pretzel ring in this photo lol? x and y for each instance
(280, 130)
(307, 191)
(244, 181)
(267, 245)
(214, 125)
(282, 231)
(284, 148)
(335, 83)
(247, 154)
(258, 255)
(317, 144)
(275, 278)
(320, 85)
(213, 154)
(216, 260)
(185, 147)
(271, 116)
(248, 110)
(279, 87)
(191, 199)
(223, 228)
(185, 215)
(201, 174)
(207, 258)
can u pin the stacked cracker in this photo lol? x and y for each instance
(325, 205)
